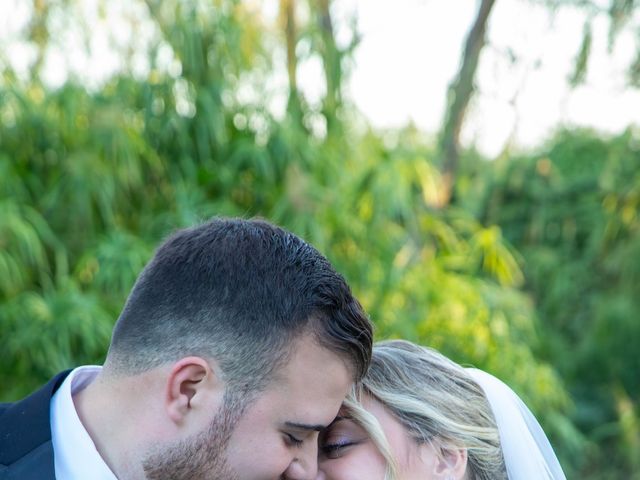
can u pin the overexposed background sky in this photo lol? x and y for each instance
(409, 52)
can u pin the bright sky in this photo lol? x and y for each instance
(410, 51)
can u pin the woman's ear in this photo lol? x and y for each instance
(191, 380)
(451, 464)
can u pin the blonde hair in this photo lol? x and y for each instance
(356, 412)
(436, 401)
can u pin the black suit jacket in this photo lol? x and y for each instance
(26, 452)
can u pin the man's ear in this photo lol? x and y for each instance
(450, 464)
(191, 380)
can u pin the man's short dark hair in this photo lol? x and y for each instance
(240, 292)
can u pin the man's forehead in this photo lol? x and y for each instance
(310, 361)
(306, 393)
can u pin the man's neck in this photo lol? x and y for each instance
(101, 413)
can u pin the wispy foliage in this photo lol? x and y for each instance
(524, 274)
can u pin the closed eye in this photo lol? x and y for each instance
(335, 446)
(335, 450)
(293, 440)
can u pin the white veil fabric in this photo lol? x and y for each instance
(528, 455)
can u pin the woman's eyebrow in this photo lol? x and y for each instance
(339, 418)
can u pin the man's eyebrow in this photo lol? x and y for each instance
(304, 426)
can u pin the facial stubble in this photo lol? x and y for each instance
(204, 455)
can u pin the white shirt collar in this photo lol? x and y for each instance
(75, 455)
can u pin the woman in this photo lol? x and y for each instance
(419, 416)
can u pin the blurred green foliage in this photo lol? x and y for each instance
(572, 211)
(532, 272)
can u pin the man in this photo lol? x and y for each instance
(237, 344)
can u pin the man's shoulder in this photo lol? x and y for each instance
(35, 465)
(25, 431)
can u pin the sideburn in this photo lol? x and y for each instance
(204, 455)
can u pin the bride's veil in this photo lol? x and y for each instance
(527, 452)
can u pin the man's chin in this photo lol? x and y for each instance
(181, 464)
(203, 456)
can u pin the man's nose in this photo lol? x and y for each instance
(305, 465)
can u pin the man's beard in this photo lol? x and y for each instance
(202, 456)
